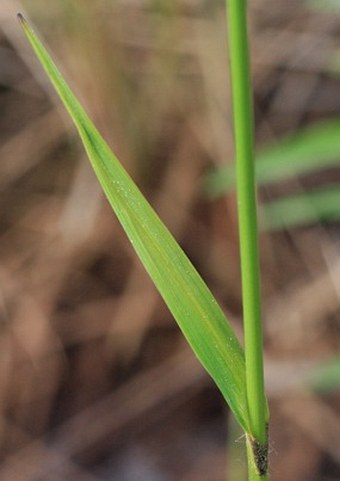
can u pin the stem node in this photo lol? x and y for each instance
(260, 454)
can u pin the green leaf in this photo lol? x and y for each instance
(321, 205)
(188, 298)
(325, 377)
(325, 5)
(316, 147)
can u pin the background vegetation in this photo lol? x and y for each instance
(96, 382)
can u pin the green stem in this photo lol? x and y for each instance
(246, 195)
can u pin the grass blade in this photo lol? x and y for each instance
(188, 298)
(325, 5)
(313, 148)
(325, 377)
(321, 205)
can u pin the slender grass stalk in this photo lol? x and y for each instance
(246, 194)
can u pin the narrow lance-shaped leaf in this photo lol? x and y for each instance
(188, 298)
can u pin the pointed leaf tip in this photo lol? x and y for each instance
(23, 22)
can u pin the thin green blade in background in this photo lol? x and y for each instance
(320, 205)
(325, 5)
(313, 148)
(188, 298)
(325, 377)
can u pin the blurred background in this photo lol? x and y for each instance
(96, 382)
